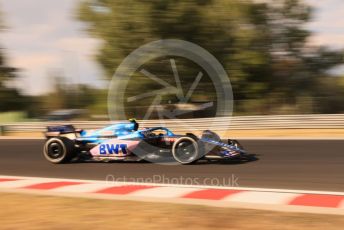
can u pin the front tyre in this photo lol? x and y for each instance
(186, 150)
(59, 150)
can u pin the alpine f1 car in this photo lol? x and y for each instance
(126, 142)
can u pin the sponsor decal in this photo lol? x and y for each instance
(113, 148)
(170, 139)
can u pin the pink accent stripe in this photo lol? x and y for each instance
(211, 194)
(51, 185)
(7, 179)
(123, 190)
(330, 201)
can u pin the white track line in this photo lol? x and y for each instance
(82, 188)
(164, 192)
(262, 197)
(23, 183)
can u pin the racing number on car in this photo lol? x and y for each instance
(113, 149)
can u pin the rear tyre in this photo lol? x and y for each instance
(186, 150)
(59, 150)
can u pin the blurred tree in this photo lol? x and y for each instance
(263, 46)
(67, 96)
(10, 98)
(295, 68)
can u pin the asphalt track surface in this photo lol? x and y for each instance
(282, 164)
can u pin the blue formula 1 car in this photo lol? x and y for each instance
(126, 142)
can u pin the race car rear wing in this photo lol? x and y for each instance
(53, 131)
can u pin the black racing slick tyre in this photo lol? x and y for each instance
(59, 150)
(186, 150)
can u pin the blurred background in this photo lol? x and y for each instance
(282, 56)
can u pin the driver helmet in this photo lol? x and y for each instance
(136, 125)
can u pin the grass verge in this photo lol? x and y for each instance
(23, 211)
